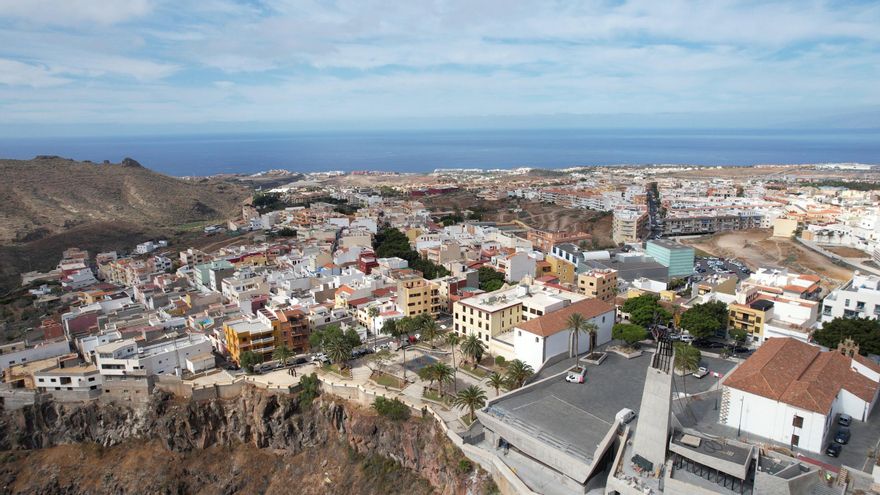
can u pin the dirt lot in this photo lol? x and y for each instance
(847, 252)
(530, 214)
(757, 248)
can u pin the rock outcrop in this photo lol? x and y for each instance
(257, 421)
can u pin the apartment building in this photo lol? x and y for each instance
(598, 283)
(70, 383)
(416, 295)
(686, 222)
(491, 314)
(249, 334)
(858, 298)
(168, 355)
(629, 225)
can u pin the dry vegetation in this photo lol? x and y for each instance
(757, 248)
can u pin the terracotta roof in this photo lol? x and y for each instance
(357, 302)
(868, 363)
(799, 374)
(557, 321)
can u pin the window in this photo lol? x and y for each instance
(797, 422)
(795, 439)
(537, 340)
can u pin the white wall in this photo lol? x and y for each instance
(770, 419)
(536, 352)
(41, 351)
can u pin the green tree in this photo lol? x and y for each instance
(282, 353)
(497, 381)
(452, 340)
(309, 390)
(518, 372)
(490, 279)
(394, 243)
(249, 359)
(705, 320)
(645, 310)
(471, 398)
(338, 350)
(287, 232)
(393, 409)
(428, 328)
(864, 331)
(575, 323)
(401, 330)
(428, 373)
(687, 357)
(444, 374)
(738, 335)
(629, 333)
(473, 348)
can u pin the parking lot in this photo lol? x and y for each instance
(705, 267)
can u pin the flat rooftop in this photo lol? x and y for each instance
(576, 417)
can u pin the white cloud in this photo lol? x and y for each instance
(14, 73)
(74, 12)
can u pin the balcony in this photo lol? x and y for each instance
(265, 340)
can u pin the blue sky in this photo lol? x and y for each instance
(102, 66)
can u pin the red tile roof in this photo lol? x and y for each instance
(557, 321)
(799, 374)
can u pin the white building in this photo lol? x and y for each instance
(791, 392)
(858, 298)
(74, 383)
(539, 339)
(161, 357)
(22, 352)
(79, 279)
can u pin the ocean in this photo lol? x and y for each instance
(423, 151)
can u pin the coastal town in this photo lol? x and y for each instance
(630, 330)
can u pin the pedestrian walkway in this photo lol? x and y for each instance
(414, 390)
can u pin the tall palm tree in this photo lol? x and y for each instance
(472, 398)
(575, 324)
(497, 381)
(429, 374)
(591, 330)
(373, 312)
(687, 358)
(473, 348)
(444, 375)
(401, 330)
(453, 339)
(282, 353)
(518, 372)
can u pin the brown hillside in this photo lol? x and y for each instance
(50, 195)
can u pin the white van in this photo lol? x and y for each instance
(625, 415)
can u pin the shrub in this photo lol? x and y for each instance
(309, 391)
(465, 466)
(393, 409)
(499, 361)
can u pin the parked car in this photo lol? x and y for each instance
(687, 339)
(844, 420)
(300, 360)
(842, 436)
(577, 375)
(701, 372)
(625, 415)
(320, 358)
(833, 449)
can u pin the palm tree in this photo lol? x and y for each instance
(428, 327)
(453, 339)
(373, 312)
(472, 398)
(687, 358)
(575, 323)
(401, 329)
(518, 372)
(444, 374)
(429, 374)
(338, 350)
(497, 381)
(473, 348)
(282, 354)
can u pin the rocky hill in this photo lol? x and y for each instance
(51, 203)
(257, 443)
(49, 195)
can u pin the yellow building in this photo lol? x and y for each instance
(749, 317)
(785, 227)
(249, 335)
(563, 270)
(416, 296)
(598, 284)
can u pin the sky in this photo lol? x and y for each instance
(99, 66)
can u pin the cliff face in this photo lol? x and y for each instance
(259, 443)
